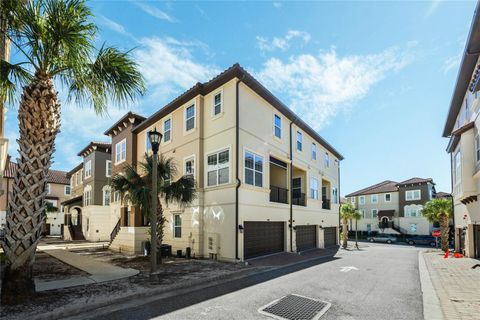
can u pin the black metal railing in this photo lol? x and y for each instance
(115, 231)
(278, 194)
(326, 204)
(299, 199)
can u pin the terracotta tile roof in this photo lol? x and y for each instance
(54, 176)
(441, 194)
(104, 146)
(415, 181)
(138, 118)
(382, 187)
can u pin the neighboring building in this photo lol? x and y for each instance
(87, 210)
(394, 208)
(58, 189)
(462, 127)
(266, 181)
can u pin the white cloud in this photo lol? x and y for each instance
(284, 42)
(155, 12)
(451, 63)
(319, 87)
(277, 4)
(433, 6)
(112, 25)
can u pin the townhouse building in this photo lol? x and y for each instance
(394, 207)
(266, 181)
(58, 188)
(462, 128)
(87, 209)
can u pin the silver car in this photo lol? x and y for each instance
(383, 238)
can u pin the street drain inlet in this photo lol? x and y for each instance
(295, 307)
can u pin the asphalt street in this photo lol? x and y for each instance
(378, 282)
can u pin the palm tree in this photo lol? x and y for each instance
(347, 211)
(355, 216)
(439, 210)
(135, 187)
(56, 40)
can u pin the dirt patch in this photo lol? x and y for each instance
(48, 268)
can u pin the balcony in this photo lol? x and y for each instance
(278, 194)
(299, 199)
(326, 204)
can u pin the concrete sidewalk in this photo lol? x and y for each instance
(99, 271)
(456, 284)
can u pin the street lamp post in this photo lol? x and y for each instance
(154, 136)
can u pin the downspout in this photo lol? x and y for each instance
(290, 185)
(453, 205)
(237, 148)
(339, 200)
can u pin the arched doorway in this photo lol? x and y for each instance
(384, 222)
(76, 216)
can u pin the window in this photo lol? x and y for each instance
(48, 188)
(67, 190)
(88, 169)
(457, 163)
(189, 169)
(218, 168)
(299, 141)
(313, 188)
(121, 151)
(413, 227)
(108, 168)
(167, 130)
(477, 147)
(117, 196)
(177, 226)
(374, 198)
(80, 175)
(352, 200)
(277, 126)
(148, 144)
(314, 151)
(107, 193)
(190, 118)
(326, 160)
(374, 213)
(217, 103)
(87, 195)
(411, 195)
(253, 169)
(77, 177)
(413, 211)
(362, 212)
(388, 197)
(335, 195)
(361, 200)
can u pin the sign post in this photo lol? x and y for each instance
(436, 234)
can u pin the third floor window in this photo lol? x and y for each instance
(88, 169)
(299, 141)
(411, 195)
(167, 130)
(190, 118)
(277, 126)
(121, 151)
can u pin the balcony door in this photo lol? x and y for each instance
(296, 188)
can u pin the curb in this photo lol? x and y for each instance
(161, 293)
(432, 309)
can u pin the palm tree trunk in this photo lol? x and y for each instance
(39, 122)
(444, 231)
(345, 233)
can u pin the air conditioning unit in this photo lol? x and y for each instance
(212, 245)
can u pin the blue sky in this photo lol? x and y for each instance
(374, 78)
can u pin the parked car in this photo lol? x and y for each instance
(425, 240)
(383, 238)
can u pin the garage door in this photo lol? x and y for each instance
(306, 237)
(261, 238)
(330, 236)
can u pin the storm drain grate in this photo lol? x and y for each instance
(295, 307)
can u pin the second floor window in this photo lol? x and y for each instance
(374, 213)
(374, 198)
(388, 197)
(167, 130)
(353, 200)
(190, 167)
(88, 169)
(87, 195)
(327, 160)
(313, 188)
(108, 168)
(177, 226)
(107, 194)
(299, 141)
(67, 190)
(314, 151)
(121, 151)
(457, 167)
(190, 118)
(218, 168)
(411, 195)
(277, 126)
(361, 200)
(217, 104)
(253, 169)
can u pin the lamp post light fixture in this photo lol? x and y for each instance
(155, 137)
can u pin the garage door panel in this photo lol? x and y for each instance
(261, 238)
(330, 236)
(306, 237)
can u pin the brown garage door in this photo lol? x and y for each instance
(261, 238)
(306, 237)
(330, 236)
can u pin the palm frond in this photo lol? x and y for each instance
(181, 191)
(12, 76)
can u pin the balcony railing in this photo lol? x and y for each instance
(299, 199)
(278, 194)
(326, 204)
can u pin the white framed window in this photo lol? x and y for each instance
(388, 197)
(413, 211)
(314, 151)
(117, 196)
(167, 130)
(189, 166)
(48, 188)
(362, 212)
(121, 151)
(190, 118)
(374, 213)
(352, 200)
(326, 160)
(107, 194)
(411, 195)
(108, 168)
(218, 168)
(253, 169)
(313, 188)
(413, 227)
(67, 190)
(87, 195)
(177, 226)
(457, 167)
(374, 198)
(88, 169)
(217, 102)
(335, 195)
(361, 200)
(77, 178)
(299, 141)
(277, 126)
